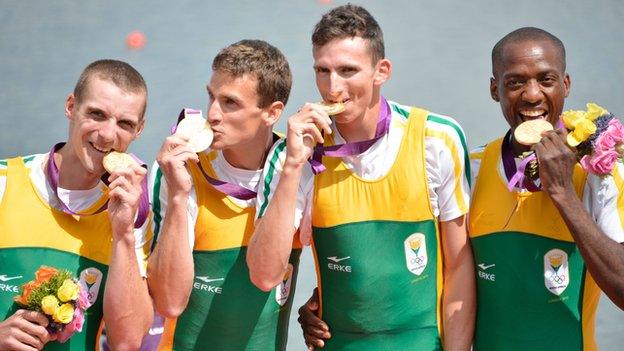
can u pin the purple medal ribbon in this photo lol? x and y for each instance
(356, 148)
(226, 188)
(516, 177)
(229, 189)
(53, 176)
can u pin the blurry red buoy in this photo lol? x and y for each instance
(324, 2)
(135, 40)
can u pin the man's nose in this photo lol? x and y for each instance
(532, 92)
(214, 113)
(336, 86)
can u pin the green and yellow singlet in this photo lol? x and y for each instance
(533, 289)
(377, 252)
(225, 310)
(32, 234)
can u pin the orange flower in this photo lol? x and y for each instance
(44, 273)
(21, 300)
(28, 288)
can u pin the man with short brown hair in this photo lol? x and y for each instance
(56, 210)
(197, 272)
(387, 214)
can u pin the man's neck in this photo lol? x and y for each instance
(250, 156)
(363, 127)
(72, 175)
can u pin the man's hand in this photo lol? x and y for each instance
(304, 130)
(124, 196)
(314, 329)
(556, 163)
(172, 159)
(24, 331)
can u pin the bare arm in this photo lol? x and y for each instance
(128, 310)
(271, 243)
(459, 292)
(171, 267)
(603, 256)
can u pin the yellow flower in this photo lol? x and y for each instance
(594, 111)
(68, 291)
(580, 123)
(64, 314)
(49, 304)
(571, 118)
(583, 130)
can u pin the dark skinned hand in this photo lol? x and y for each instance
(556, 162)
(314, 329)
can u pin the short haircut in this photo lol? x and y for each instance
(523, 35)
(350, 21)
(262, 61)
(119, 73)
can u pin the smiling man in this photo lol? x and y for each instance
(197, 273)
(540, 254)
(387, 215)
(54, 212)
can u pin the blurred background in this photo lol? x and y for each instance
(440, 51)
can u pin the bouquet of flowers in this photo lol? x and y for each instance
(60, 297)
(598, 137)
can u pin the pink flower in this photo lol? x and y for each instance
(83, 300)
(616, 130)
(601, 162)
(604, 142)
(610, 137)
(74, 326)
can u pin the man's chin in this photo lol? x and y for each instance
(93, 167)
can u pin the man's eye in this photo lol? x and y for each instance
(548, 80)
(126, 124)
(97, 114)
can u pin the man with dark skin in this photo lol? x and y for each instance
(533, 250)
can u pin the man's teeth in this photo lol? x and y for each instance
(532, 113)
(100, 150)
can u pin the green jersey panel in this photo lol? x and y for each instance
(379, 288)
(531, 288)
(227, 312)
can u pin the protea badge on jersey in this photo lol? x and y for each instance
(225, 310)
(377, 251)
(35, 234)
(534, 292)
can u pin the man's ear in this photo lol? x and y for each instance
(139, 128)
(69, 105)
(567, 84)
(494, 89)
(273, 113)
(383, 71)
